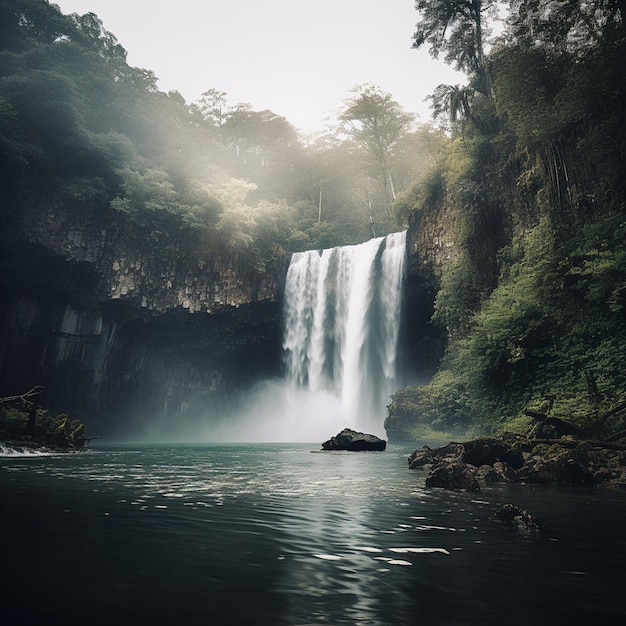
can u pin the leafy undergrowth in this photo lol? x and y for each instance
(60, 432)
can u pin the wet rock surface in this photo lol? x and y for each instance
(488, 460)
(518, 518)
(354, 441)
(454, 475)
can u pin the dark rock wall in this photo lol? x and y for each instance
(123, 328)
(48, 342)
(123, 374)
(181, 368)
(430, 244)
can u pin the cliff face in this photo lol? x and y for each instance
(127, 328)
(430, 242)
(137, 262)
(123, 326)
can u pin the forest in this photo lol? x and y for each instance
(533, 298)
(79, 122)
(525, 162)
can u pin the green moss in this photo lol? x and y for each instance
(56, 431)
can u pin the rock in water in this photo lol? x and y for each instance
(354, 441)
(518, 518)
(452, 476)
(428, 458)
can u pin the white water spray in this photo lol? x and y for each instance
(342, 318)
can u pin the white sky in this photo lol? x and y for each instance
(298, 58)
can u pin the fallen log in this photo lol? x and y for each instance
(535, 415)
(573, 443)
(617, 409)
(617, 436)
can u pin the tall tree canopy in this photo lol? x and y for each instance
(570, 25)
(376, 121)
(79, 125)
(457, 29)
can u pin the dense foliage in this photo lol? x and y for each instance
(529, 172)
(78, 125)
(24, 425)
(534, 299)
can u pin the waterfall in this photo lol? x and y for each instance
(342, 319)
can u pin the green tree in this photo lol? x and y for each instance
(453, 101)
(23, 21)
(213, 105)
(376, 122)
(457, 28)
(570, 26)
(92, 32)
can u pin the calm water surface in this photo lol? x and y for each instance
(279, 535)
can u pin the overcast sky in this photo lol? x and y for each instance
(298, 58)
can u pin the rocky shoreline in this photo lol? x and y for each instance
(518, 459)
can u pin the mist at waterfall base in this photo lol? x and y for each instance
(341, 332)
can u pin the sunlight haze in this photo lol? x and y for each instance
(298, 59)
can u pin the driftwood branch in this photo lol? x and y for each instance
(616, 409)
(35, 391)
(542, 417)
(535, 415)
(617, 436)
(573, 443)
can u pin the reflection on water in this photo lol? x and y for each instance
(275, 534)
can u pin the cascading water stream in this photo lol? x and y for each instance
(342, 319)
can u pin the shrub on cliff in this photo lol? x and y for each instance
(54, 431)
(430, 411)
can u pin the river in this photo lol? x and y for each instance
(281, 534)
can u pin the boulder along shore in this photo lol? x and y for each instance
(514, 458)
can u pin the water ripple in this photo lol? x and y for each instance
(293, 538)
